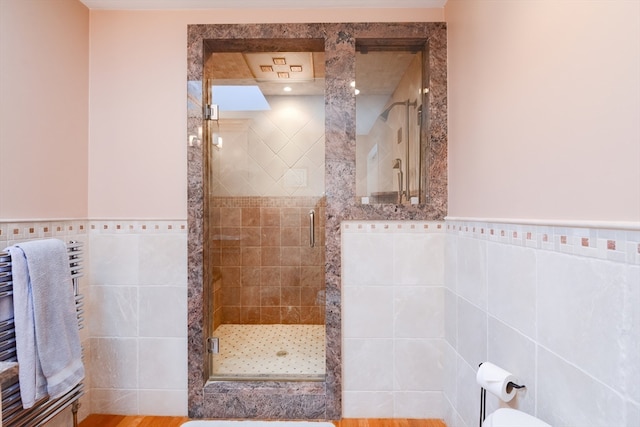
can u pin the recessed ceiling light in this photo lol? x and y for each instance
(296, 68)
(287, 89)
(266, 68)
(283, 75)
(279, 61)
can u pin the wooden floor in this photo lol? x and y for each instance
(148, 421)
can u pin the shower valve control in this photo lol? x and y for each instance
(213, 345)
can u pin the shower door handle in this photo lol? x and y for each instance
(312, 228)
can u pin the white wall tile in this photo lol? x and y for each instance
(451, 416)
(450, 318)
(418, 259)
(367, 404)
(472, 333)
(451, 263)
(367, 364)
(114, 363)
(114, 259)
(512, 286)
(631, 335)
(114, 401)
(471, 264)
(418, 404)
(584, 400)
(163, 259)
(579, 304)
(633, 414)
(417, 365)
(368, 312)
(114, 311)
(449, 374)
(163, 402)
(468, 393)
(163, 311)
(161, 363)
(418, 312)
(367, 259)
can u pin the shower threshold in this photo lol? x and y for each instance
(269, 353)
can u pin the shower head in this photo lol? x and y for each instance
(385, 114)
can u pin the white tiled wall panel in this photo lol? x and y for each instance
(393, 319)
(138, 317)
(559, 307)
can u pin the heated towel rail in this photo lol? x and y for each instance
(13, 415)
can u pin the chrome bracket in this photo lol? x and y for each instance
(213, 345)
(211, 112)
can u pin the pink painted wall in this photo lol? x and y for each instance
(544, 108)
(137, 149)
(44, 92)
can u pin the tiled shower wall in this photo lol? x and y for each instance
(278, 152)
(265, 270)
(557, 306)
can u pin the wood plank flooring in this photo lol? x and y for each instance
(97, 420)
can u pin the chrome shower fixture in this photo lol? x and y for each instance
(385, 114)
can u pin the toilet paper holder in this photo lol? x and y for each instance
(483, 397)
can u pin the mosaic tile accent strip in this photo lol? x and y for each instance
(393, 227)
(137, 226)
(18, 231)
(266, 351)
(275, 202)
(619, 245)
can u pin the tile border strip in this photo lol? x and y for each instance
(361, 226)
(11, 231)
(618, 243)
(137, 226)
(26, 230)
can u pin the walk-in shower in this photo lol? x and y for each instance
(265, 212)
(287, 398)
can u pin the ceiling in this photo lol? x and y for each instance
(258, 4)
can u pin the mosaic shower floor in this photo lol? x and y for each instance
(270, 351)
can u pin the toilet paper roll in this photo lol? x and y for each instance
(496, 381)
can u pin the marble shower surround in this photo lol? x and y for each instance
(307, 400)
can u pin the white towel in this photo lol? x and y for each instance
(47, 338)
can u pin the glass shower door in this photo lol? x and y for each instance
(266, 219)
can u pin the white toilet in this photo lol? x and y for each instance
(507, 417)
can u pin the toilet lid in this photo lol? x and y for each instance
(507, 417)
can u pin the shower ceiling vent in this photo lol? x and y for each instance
(279, 66)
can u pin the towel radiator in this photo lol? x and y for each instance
(13, 415)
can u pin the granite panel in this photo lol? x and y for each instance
(295, 400)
